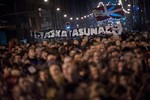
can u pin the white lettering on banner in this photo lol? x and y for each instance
(120, 28)
(38, 34)
(113, 29)
(94, 31)
(35, 35)
(70, 33)
(81, 32)
(75, 33)
(42, 34)
(87, 31)
(58, 33)
(47, 35)
(52, 33)
(64, 34)
(108, 29)
(101, 30)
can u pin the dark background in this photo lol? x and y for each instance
(19, 17)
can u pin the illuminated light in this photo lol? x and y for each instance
(88, 15)
(129, 5)
(118, 22)
(124, 18)
(39, 9)
(71, 18)
(45, 0)
(128, 9)
(100, 3)
(120, 2)
(77, 25)
(84, 16)
(77, 18)
(58, 9)
(65, 15)
(68, 27)
(108, 3)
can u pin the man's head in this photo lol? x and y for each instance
(56, 74)
(31, 53)
(43, 75)
(17, 59)
(44, 54)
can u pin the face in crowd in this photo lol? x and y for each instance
(56, 74)
(17, 59)
(31, 53)
(43, 76)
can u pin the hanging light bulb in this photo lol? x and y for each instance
(120, 2)
(58, 9)
(45, 0)
(129, 5)
(71, 18)
(65, 15)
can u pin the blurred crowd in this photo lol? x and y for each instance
(88, 68)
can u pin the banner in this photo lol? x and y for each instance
(108, 11)
(110, 29)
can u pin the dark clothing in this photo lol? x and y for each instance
(33, 61)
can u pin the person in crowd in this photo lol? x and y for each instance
(32, 56)
(56, 74)
(103, 67)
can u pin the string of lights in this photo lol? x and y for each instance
(121, 3)
(90, 17)
(91, 14)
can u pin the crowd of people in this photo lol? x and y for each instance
(89, 68)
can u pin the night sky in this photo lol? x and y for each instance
(71, 7)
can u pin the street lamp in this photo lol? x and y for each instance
(65, 15)
(45, 0)
(77, 18)
(58, 9)
(129, 5)
(53, 17)
(71, 18)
